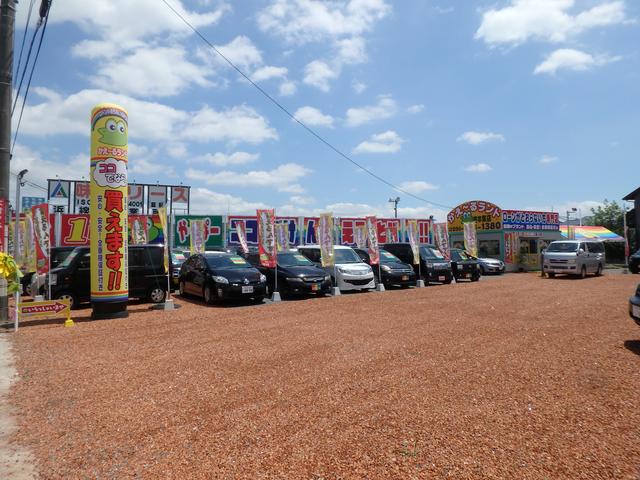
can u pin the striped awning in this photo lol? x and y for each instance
(592, 233)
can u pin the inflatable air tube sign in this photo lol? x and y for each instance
(108, 186)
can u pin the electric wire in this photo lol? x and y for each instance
(44, 22)
(26, 63)
(293, 117)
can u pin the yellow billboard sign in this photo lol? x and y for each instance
(46, 309)
(486, 216)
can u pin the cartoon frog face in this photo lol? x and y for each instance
(114, 133)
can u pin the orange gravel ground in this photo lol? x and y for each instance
(517, 377)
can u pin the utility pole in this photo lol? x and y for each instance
(7, 25)
(395, 205)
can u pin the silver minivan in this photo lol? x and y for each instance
(574, 257)
(350, 272)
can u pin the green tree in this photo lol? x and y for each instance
(609, 216)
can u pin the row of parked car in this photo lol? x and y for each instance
(231, 274)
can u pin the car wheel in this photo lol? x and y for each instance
(207, 294)
(551, 274)
(475, 278)
(599, 271)
(583, 272)
(156, 295)
(67, 296)
(181, 288)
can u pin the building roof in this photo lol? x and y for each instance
(633, 195)
(592, 233)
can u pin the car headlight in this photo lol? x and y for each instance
(342, 270)
(263, 278)
(219, 279)
(385, 268)
(327, 278)
(53, 279)
(429, 265)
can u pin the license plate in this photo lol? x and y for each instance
(315, 287)
(247, 289)
(405, 278)
(441, 278)
(635, 310)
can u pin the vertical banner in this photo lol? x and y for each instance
(41, 228)
(441, 231)
(162, 213)
(372, 238)
(267, 248)
(197, 236)
(325, 238)
(511, 247)
(139, 229)
(571, 232)
(282, 236)
(360, 236)
(470, 239)
(412, 233)
(30, 244)
(108, 207)
(242, 236)
(3, 222)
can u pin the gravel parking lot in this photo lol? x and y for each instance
(518, 377)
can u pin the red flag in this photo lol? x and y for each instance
(41, 229)
(372, 237)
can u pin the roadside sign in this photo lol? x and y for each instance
(46, 309)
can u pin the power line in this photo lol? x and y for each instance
(26, 63)
(24, 38)
(45, 8)
(31, 184)
(288, 113)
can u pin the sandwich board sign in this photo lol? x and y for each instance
(45, 309)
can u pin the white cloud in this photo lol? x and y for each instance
(351, 50)
(417, 186)
(220, 159)
(161, 71)
(318, 74)
(385, 108)
(242, 52)
(282, 177)
(287, 89)
(386, 142)
(177, 150)
(547, 159)
(582, 207)
(268, 72)
(413, 109)
(548, 20)
(65, 115)
(303, 21)
(300, 200)
(476, 138)
(359, 87)
(313, 117)
(478, 168)
(206, 201)
(570, 59)
(235, 125)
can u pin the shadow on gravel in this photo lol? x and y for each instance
(633, 346)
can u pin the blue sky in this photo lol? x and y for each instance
(529, 104)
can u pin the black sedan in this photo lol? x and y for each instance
(297, 275)
(634, 306)
(463, 266)
(392, 271)
(221, 276)
(634, 262)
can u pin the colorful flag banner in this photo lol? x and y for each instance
(139, 229)
(325, 238)
(3, 219)
(43, 243)
(162, 213)
(267, 248)
(242, 236)
(360, 236)
(511, 247)
(470, 238)
(372, 238)
(30, 244)
(412, 233)
(196, 237)
(282, 236)
(442, 239)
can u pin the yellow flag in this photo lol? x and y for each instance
(162, 213)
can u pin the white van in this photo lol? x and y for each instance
(350, 272)
(574, 257)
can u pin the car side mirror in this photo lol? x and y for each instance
(580, 251)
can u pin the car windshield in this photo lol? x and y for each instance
(461, 255)
(293, 260)
(562, 247)
(226, 261)
(67, 261)
(430, 252)
(59, 257)
(388, 257)
(346, 255)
